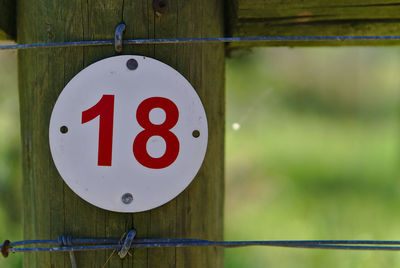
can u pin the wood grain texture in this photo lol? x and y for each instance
(50, 207)
(314, 18)
(8, 19)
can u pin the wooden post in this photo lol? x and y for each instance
(50, 207)
(313, 18)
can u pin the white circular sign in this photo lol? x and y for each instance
(128, 133)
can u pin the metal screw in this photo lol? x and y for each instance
(132, 64)
(160, 7)
(127, 198)
(64, 129)
(196, 133)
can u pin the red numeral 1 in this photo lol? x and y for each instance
(105, 110)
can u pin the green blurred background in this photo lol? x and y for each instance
(312, 152)
(10, 159)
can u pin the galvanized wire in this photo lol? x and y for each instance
(106, 244)
(200, 40)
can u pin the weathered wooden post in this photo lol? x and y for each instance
(50, 207)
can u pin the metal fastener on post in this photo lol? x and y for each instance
(119, 32)
(5, 248)
(160, 7)
(127, 244)
(66, 241)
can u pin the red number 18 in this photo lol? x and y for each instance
(105, 110)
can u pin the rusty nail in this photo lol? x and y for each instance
(160, 7)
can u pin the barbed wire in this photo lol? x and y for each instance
(198, 40)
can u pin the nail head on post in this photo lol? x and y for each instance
(160, 7)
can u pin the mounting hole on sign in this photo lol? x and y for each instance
(64, 129)
(196, 133)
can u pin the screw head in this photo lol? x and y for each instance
(127, 198)
(132, 64)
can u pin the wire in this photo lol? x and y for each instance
(66, 244)
(200, 40)
(104, 244)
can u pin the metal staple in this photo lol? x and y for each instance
(66, 241)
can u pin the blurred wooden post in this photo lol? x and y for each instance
(313, 18)
(51, 208)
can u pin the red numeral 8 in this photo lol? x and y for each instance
(162, 130)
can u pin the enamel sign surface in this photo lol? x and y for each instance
(128, 133)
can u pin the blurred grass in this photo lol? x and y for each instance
(316, 155)
(10, 167)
